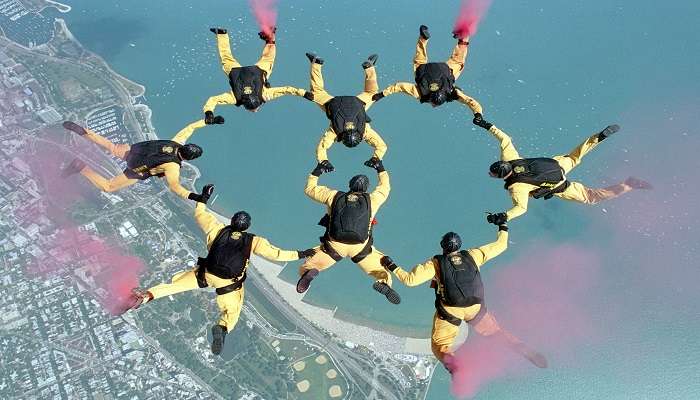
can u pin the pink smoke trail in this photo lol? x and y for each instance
(265, 12)
(470, 14)
(543, 301)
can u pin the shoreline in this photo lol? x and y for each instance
(60, 7)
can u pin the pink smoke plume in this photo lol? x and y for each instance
(542, 300)
(265, 12)
(103, 269)
(470, 14)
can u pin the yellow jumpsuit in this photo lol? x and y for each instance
(230, 303)
(369, 264)
(321, 97)
(171, 171)
(456, 64)
(445, 333)
(520, 192)
(265, 63)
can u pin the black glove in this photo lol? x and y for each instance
(306, 253)
(375, 163)
(323, 166)
(218, 120)
(503, 227)
(218, 31)
(208, 117)
(203, 197)
(497, 219)
(388, 263)
(479, 121)
(309, 96)
(377, 96)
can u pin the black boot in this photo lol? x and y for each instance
(75, 167)
(268, 38)
(218, 31)
(312, 57)
(371, 61)
(424, 33)
(218, 333)
(72, 126)
(531, 355)
(635, 183)
(607, 132)
(137, 298)
(305, 280)
(387, 291)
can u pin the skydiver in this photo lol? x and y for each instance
(435, 81)
(347, 114)
(459, 295)
(250, 87)
(546, 177)
(161, 158)
(224, 268)
(348, 223)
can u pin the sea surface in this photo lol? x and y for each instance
(548, 72)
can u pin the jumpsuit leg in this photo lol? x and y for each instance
(318, 261)
(582, 194)
(421, 56)
(267, 59)
(321, 97)
(117, 150)
(442, 337)
(371, 85)
(227, 61)
(457, 59)
(230, 305)
(107, 185)
(573, 159)
(374, 268)
(183, 281)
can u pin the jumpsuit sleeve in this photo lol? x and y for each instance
(172, 178)
(224, 98)
(469, 102)
(208, 222)
(184, 134)
(275, 92)
(421, 273)
(381, 192)
(319, 193)
(402, 87)
(520, 199)
(327, 140)
(264, 249)
(488, 251)
(508, 152)
(373, 139)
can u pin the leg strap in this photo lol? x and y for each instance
(367, 250)
(328, 249)
(232, 287)
(444, 315)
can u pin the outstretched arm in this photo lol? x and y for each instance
(263, 248)
(172, 178)
(520, 199)
(488, 251)
(508, 151)
(319, 193)
(223, 98)
(329, 137)
(469, 102)
(275, 92)
(421, 273)
(381, 192)
(182, 136)
(373, 139)
(207, 221)
(402, 87)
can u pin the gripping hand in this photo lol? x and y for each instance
(479, 121)
(306, 253)
(377, 96)
(497, 219)
(203, 197)
(387, 263)
(376, 164)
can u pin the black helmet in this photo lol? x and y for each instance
(250, 102)
(500, 169)
(351, 137)
(240, 221)
(359, 183)
(450, 242)
(438, 98)
(190, 151)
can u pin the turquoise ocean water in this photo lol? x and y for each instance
(548, 72)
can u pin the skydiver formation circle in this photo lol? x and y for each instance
(350, 213)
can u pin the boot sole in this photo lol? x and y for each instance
(305, 281)
(217, 343)
(388, 292)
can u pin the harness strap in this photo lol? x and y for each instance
(232, 287)
(548, 193)
(444, 315)
(478, 316)
(367, 250)
(328, 249)
(199, 273)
